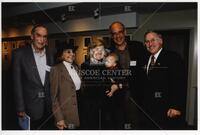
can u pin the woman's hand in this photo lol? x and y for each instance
(61, 125)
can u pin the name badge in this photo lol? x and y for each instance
(48, 68)
(133, 63)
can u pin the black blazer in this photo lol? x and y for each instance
(27, 83)
(164, 86)
(138, 54)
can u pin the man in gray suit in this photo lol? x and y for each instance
(30, 66)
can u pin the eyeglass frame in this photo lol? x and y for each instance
(151, 41)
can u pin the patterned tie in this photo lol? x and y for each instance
(152, 63)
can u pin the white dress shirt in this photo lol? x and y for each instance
(40, 60)
(74, 75)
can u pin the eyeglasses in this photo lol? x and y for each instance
(151, 41)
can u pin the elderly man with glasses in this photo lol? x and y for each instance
(164, 92)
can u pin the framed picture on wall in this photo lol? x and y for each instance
(5, 46)
(72, 41)
(128, 37)
(107, 40)
(14, 45)
(85, 57)
(87, 41)
(6, 57)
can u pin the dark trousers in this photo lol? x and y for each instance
(80, 108)
(44, 123)
(152, 122)
(112, 114)
(91, 114)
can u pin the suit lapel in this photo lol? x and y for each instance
(65, 73)
(48, 63)
(158, 64)
(30, 59)
(159, 59)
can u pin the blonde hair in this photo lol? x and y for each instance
(98, 42)
(94, 44)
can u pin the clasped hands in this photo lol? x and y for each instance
(173, 113)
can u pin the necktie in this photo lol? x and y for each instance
(152, 63)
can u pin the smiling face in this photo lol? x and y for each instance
(98, 52)
(118, 34)
(39, 38)
(153, 42)
(68, 55)
(110, 61)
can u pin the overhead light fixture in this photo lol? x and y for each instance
(63, 17)
(96, 13)
(33, 22)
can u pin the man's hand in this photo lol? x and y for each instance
(21, 114)
(172, 113)
(61, 125)
(114, 87)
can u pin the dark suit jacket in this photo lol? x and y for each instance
(27, 83)
(64, 98)
(137, 54)
(164, 87)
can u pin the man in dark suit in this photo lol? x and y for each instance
(131, 56)
(163, 95)
(30, 67)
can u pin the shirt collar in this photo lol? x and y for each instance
(67, 64)
(126, 48)
(40, 54)
(157, 54)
